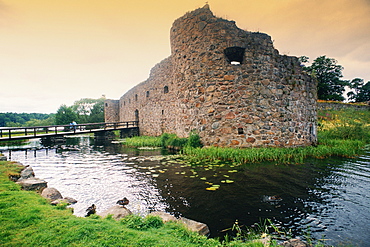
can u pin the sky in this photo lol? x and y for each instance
(55, 52)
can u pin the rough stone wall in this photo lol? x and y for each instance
(111, 110)
(340, 106)
(230, 86)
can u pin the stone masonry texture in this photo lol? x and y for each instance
(230, 86)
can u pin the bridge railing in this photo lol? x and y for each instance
(36, 131)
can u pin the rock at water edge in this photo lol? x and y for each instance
(116, 211)
(52, 194)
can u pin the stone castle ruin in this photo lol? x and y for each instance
(228, 85)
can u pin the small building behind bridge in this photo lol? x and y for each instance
(230, 86)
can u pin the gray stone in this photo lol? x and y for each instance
(70, 200)
(58, 201)
(3, 158)
(51, 193)
(118, 212)
(35, 184)
(164, 216)
(67, 200)
(195, 226)
(294, 243)
(27, 173)
(192, 225)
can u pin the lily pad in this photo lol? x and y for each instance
(212, 188)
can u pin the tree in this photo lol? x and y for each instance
(361, 91)
(65, 115)
(89, 110)
(97, 112)
(328, 74)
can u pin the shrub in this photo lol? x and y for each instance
(194, 141)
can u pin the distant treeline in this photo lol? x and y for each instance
(11, 119)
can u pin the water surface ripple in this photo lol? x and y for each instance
(323, 198)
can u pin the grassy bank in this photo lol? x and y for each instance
(341, 133)
(27, 219)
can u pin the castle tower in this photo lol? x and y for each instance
(229, 85)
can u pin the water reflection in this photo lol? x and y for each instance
(326, 197)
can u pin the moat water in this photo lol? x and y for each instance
(325, 199)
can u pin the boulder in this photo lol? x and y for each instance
(67, 200)
(52, 194)
(294, 243)
(118, 212)
(192, 225)
(27, 173)
(32, 184)
(195, 226)
(3, 158)
(70, 200)
(164, 216)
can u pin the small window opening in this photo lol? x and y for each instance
(137, 115)
(124, 102)
(106, 104)
(165, 89)
(129, 101)
(135, 97)
(240, 131)
(162, 112)
(147, 94)
(234, 55)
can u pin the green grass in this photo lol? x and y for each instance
(165, 140)
(28, 220)
(142, 141)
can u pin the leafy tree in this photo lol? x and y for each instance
(89, 110)
(361, 91)
(97, 112)
(328, 74)
(65, 115)
(11, 119)
(41, 122)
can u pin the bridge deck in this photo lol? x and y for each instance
(22, 133)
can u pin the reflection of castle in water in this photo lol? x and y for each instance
(229, 85)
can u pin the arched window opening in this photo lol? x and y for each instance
(135, 97)
(162, 112)
(106, 104)
(165, 89)
(129, 101)
(124, 102)
(234, 55)
(240, 131)
(147, 94)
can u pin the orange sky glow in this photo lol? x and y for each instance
(57, 52)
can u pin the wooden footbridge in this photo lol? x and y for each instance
(22, 133)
